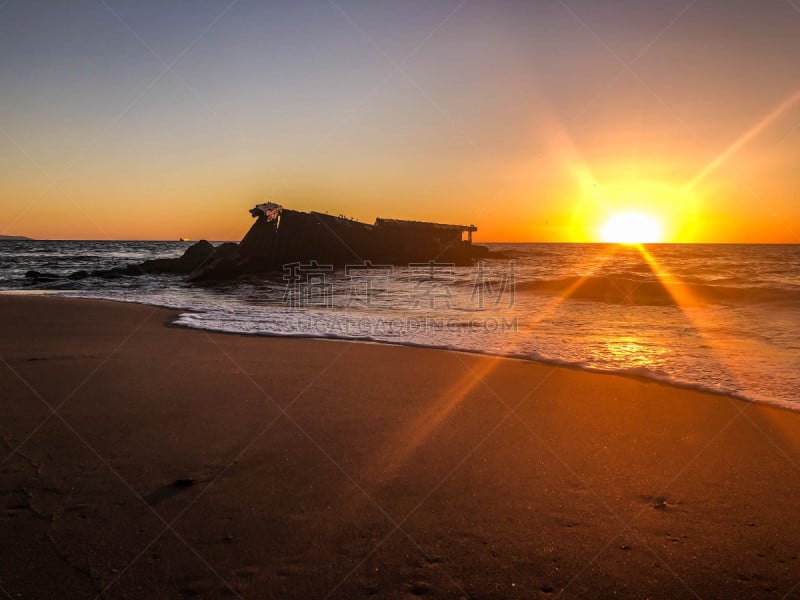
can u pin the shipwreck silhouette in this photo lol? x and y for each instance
(281, 236)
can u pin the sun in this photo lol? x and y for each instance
(631, 228)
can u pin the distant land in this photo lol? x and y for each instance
(14, 237)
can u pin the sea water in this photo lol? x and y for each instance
(718, 317)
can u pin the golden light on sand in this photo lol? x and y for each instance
(631, 228)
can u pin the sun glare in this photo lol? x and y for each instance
(631, 228)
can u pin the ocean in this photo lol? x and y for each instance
(724, 318)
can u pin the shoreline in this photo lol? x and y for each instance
(626, 373)
(187, 463)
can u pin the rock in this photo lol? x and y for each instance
(39, 276)
(128, 271)
(188, 262)
(226, 262)
(191, 259)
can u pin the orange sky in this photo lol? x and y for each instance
(534, 122)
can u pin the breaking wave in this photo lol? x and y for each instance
(646, 291)
(718, 318)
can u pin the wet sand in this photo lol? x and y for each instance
(180, 463)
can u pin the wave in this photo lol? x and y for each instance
(240, 320)
(618, 289)
(191, 321)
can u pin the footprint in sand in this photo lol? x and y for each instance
(168, 491)
(661, 503)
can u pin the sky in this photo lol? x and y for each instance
(537, 121)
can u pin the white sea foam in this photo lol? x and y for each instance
(727, 320)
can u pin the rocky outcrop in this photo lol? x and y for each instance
(227, 261)
(39, 276)
(194, 256)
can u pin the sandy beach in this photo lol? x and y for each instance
(142, 460)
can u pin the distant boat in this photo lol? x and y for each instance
(183, 239)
